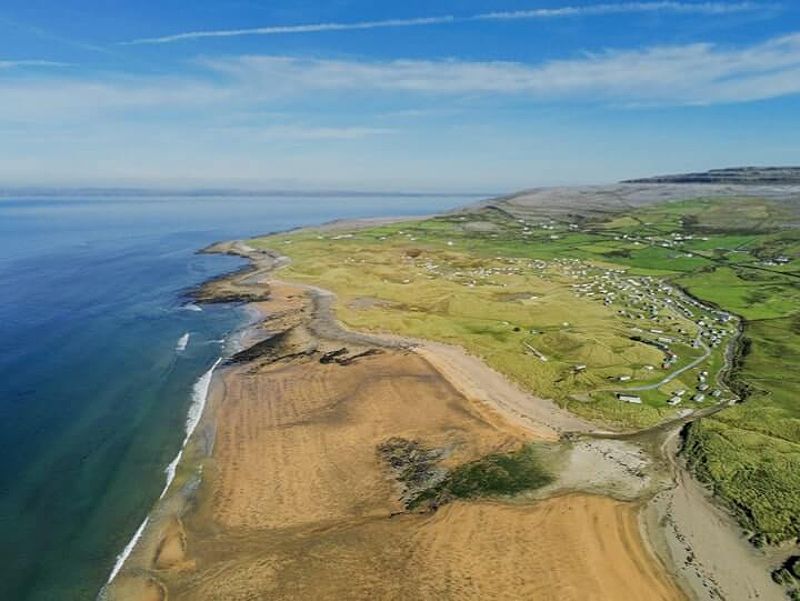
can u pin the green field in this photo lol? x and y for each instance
(564, 309)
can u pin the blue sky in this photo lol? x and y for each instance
(468, 95)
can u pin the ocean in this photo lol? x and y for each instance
(100, 353)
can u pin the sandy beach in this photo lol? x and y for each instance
(296, 502)
(283, 491)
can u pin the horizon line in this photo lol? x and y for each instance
(7, 191)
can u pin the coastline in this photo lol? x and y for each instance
(195, 413)
(248, 285)
(213, 379)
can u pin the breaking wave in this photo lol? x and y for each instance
(199, 399)
(183, 342)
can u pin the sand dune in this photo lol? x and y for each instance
(472, 377)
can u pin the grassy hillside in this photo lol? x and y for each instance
(750, 453)
(577, 310)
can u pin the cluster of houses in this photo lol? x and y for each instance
(504, 266)
(674, 241)
(667, 317)
(662, 315)
(677, 396)
(474, 276)
(781, 260)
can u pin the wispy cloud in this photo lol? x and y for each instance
(302, 133)
(21, 64)
(689, 74)
(56, 99)
(286, 29)
(697, 8)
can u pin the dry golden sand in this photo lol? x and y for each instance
(474, 379)
(297, 444)
(297, 504)
(572, 547)
(577, 547)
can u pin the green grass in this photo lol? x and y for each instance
(750, 454)
(443, 307)
(756, 474)
(605, 407)
(751, 294)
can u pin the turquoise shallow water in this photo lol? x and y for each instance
(94, 390)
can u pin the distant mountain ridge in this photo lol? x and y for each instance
(731, 175)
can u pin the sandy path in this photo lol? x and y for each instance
(705, 545)
(476, 380)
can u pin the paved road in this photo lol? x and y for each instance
(678, 372)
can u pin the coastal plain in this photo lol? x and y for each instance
(513, 401)
(297, 501)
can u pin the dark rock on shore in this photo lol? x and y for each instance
(266, 349)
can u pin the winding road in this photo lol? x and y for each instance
(677, 372)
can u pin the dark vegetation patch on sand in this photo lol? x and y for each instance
(428, 486)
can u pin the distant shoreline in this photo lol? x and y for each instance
(6, 193)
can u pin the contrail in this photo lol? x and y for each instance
(285, 29)
(701, 8)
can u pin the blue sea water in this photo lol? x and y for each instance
(94, 388)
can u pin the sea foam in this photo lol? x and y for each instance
(128, 549)
(182, 343)
(199, 399)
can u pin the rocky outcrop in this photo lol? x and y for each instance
(733, 175)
